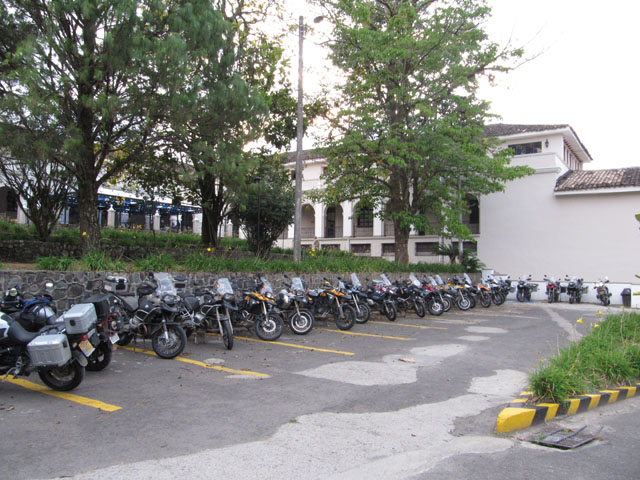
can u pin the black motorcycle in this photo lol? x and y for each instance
(57, 352)
(381, 297)
(358, 300)
(334, 302)
(602, 291)
(151, 313)
(293, 302)
(574, 289)
(524, 288)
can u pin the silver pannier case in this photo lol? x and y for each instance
(49, 350)
(80, 318)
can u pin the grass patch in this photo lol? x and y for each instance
(100, 261)
(609, 356)
(159, 263)
(54, 263)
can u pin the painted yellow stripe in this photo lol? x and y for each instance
(552, 410)
(595, 400)
(513, 418)
(631, 391)
(520, 400)
(347, 332)
(89, 402)
(293, 345)
(202, 364)
(574, 403)
(407, 325)
(613, 395)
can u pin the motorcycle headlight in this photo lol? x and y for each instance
(13, 292)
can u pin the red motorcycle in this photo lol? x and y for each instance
(553, 289)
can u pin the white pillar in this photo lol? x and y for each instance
(347, 218)
(21, 217)
(156, 221)
(111, 217)
(197, 224)
(290, 229)
(319, 219)
(378, 225)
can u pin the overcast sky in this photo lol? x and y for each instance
(586, 74)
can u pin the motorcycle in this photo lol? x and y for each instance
(430, 297)
(292, 302)
(440, 289)
(499, 289)
(151, 313)
(574, 289)
(552, 289)
(380, 296)
(602, 291)
(359, 300)
(57, 352)
(204, 309)
(479, 291)
(257, 309)
(33, 313)
(335, 302)
(409, 297)
(524, 288)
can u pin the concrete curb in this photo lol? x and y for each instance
(516, 416)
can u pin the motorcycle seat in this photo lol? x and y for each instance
(18, 334)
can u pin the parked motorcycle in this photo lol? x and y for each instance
(441, 290)
(524, 288)
(32, 313)
(151, 313)
(293, 301)
(256, 309)
(380, 296)
(602, 291)
(58, 352)
(430, 296)
(480, 292)
(574, 289)
(359, 299)
(552, 289)
(409, 297)
(334, 302)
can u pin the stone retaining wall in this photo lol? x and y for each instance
(70, 288)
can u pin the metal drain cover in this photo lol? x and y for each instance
(563, 438)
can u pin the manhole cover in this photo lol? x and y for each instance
(563, 438)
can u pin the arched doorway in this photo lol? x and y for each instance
(308, 224)
(333, 222)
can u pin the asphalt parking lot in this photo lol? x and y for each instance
(414, 398)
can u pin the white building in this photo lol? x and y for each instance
(561, 220)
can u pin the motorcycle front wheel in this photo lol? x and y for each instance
(390, 311)
(101, 357)
(365, 313)
(301, 322)
(64, 378)
(269, 327)
(435, 307)
(485, 300)
(419, 307)
(348, 319)
(171, 345)
(125, 339)
(463, 302)
(521, 296)
(227, 334)
(550, 297)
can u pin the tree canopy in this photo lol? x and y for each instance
(408, 128)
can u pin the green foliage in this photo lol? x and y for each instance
(408, 127)
(471, 262)
(54, 263)
(70, 236)
(609, 356)
(14, 231)
(159, 263)
(97, 260)
(448, 250)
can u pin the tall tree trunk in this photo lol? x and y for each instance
(87, 209)
(401, 235)
(213, 205)
(210, 223)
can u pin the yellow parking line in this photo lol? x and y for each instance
(304, 347)
(202, 364)
(363, 334)
(89, 402)
(407, 325)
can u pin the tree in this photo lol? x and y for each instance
(267, 207)
(101, 69)
(408, 133)
(27, 167)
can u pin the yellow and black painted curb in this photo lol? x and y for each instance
(518, 415)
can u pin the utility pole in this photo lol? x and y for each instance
(297, 226)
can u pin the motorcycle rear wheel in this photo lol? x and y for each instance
(348, 319)
(420, 308)
(101, 357)
(64, 378)
(485, 300)
(269, 327)
(171, 346)
(301, 322)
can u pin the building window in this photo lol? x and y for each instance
(526, 148)
(361, 249)
(388, 249)
(426, 249)
(365, 217)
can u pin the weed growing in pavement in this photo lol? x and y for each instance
(609, 356)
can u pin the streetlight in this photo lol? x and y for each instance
(297, 225)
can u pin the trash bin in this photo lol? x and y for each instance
(626, 297)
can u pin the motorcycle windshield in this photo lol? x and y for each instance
(385, 280)
(414, 280)
(355, 281)
(296, 284)
(341, 285)
(439, 280)
(223, 287)
(467, 279)
(266, 287)
(165, 284)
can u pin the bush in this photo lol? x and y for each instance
(159, 263)
(99, 261)
(54, 263)
(13, 231)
